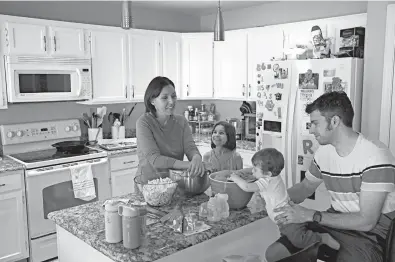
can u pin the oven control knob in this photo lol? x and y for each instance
(67, 129)
(19, 133)
(75, 128)
(10, 134)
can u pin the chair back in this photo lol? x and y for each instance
(308, 254)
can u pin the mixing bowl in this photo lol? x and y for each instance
(156, 191)
(237, 198)
(190, 185)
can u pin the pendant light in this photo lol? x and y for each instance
(219, 31)
(127, 21)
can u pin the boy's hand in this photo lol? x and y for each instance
(233, 177)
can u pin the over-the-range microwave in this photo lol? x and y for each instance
(41, 79)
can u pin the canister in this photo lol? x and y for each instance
(113, 224)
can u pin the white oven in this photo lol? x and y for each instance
(50, 189)
(40, 79)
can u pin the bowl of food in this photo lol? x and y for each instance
(191, 185)
(237, 198)
(156, 191)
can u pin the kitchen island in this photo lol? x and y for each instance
(80, 233)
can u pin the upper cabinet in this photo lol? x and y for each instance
(197, 65)
(230, 66)
(41, 40)
(145, 61)
(109, 66)
(171, 45)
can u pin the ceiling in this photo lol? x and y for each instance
(198, 8)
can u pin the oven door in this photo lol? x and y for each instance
(50, 189)
(43, 81)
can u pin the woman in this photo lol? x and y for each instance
(163, 137)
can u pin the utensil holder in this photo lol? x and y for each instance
(92, 132)
(118, 132)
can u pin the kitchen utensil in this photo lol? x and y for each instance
(85, 119)
(190, 185)
(156, 191)
(131, 110)
(122, 117)
(70, 146)
(237, 198)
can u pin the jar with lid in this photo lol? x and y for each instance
(112, 224)
(131, 226)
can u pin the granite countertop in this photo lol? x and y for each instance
(86, 222)
(240, 144)
(8, 164)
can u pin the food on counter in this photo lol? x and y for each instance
(159, 192)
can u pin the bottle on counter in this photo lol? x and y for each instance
(112, 224)
(131, 226)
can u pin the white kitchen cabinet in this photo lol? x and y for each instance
(3, 94)
(230, 66)
(171, 46)
(246, 156)
(13, 222)
(42, 40)
(197, 65)
(67, 41)
(109, 65)
(123, 171)
(145, 61)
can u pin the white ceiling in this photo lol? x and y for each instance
(198, 8)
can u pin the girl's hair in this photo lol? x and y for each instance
(269, 159)
(230, 134)
(153, 91)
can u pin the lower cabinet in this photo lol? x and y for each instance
(13, 220)
(123, 171)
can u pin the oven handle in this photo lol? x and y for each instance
(41, 171)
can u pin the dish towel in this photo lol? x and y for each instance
(82, 180)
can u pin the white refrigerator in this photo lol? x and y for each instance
(284, 88)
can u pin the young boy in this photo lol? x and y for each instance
(267, 166)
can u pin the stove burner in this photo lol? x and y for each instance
(76, 152)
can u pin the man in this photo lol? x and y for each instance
(359, 176)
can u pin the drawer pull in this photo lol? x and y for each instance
(2, 184)
(128, 162)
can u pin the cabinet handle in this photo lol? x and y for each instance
(2, 184)
(187, 90)
(126, 91)
(243, 88)
(249, 90)
(54, 43)
(6, 36)
(45, 43)
(133, 91)
(129, 162)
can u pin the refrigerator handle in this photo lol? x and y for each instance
(292, 100)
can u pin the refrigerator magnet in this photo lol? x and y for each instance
(258, 94)
(258, 67)
(308, 126)
(283, 73)
(308, 80)
(278, 96)
(306, 95)
(280, 85)
(279, 112)
(329, 72)
(269, 66)
(300, 160)
(263, 66)
(269, 105)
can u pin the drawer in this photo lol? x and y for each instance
(11, 182)
(124, 162)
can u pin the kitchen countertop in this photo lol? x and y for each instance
(86, 222)
(240, 144)
(8, 164)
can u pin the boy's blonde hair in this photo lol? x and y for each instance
(269, 159)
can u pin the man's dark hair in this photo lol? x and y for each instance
(269, 159)
(230, 135)
(153, 91)
(333, 104)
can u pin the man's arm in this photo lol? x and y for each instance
(370, 203)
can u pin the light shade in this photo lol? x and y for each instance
(219, 30)
(127, 21)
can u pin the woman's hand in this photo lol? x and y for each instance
(196, 167)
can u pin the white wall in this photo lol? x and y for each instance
(281, 12)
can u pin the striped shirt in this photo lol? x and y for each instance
(369, 167)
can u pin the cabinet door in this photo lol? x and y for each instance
(26, 39)
(246, 159)
(197, 65)
(67, 41)
(109, 66)
(230, 66)
(171, 45)
(145, 62)
(122, 181)
(3, 94)
(13, 237)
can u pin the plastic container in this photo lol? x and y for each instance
(112, 224)
(131, 226)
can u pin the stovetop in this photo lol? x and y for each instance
(48, 157)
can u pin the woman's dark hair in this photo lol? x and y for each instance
(333, 104)
(230, 135)
(153, 91)
(269, 159)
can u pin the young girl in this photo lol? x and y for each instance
(223, 155)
